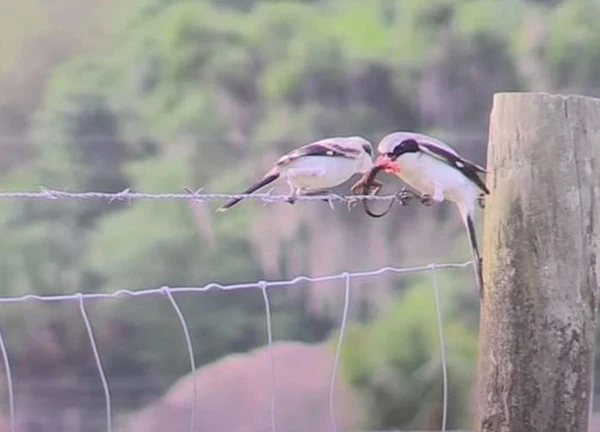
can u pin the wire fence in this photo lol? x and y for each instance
(264, 286)
(198, 196)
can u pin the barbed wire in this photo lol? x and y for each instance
(198, 196)
(263, 286)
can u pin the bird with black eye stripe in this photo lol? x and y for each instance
(437, 172)
(315, 168)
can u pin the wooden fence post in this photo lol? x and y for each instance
(541, 240)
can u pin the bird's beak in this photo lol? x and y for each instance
(388, 165)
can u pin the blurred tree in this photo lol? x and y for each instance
(572, 29)
(36, 37)
(207, 93)
(395, 362)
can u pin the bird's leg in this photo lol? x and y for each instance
(376, 186)
(355, 188)
(306, 172)
(426, 200)
(293, 190)
(481, 200)
(437, 196)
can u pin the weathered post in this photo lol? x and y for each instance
(541, 240)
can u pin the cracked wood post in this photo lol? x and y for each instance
(541, 234)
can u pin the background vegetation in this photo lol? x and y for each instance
(157, 95)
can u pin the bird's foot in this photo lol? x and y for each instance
(351, 202)
(291, 198)
(373, 191)
(481, 201)
(356, 187)
(405, 196)
(427, 200)
(374, 188)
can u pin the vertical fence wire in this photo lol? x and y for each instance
(438, 312)
(338, 352)
(190, 349)
(9, 384)
(170, 291)
(90, 332)
(263, 288)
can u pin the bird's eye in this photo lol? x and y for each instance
(406, 146)
(398, 150)
(368, 149)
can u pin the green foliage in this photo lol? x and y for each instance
(573, 29)
(487, 17)
(395, 363)
(78, 138)
(198, 93)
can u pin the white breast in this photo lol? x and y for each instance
(332, 171)
(422, 171)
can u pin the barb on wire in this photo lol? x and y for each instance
(188, 341)
(195, 194)
(263, 288)
(48, 193)
(120, 196)
(269, 192)
(90, 332)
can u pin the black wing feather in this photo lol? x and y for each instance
(468, 168)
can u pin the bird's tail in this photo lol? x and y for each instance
(470, 226)
(269, 177)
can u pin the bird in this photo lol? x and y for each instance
(437, 172)
(316, 167)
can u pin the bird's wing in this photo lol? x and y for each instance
(434, 142)
(468, 168)
(327, 148)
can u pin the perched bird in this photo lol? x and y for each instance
(316, 167)
(437, 172)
